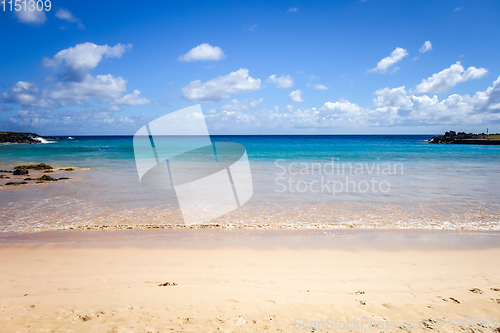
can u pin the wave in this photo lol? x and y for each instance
(42, 140)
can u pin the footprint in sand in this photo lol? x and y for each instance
(455, 300)
(167, 284)
(476, 290)
(495, 289)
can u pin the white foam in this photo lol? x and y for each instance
(42, 140)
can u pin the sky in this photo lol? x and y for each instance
(255, 67)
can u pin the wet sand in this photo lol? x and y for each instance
(248, 281)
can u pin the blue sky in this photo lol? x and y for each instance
(259, 67)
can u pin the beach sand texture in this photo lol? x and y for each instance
(69, 287)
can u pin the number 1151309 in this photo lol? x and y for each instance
(26, 5)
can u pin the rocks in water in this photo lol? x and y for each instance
(453, 137)
(31, 138)
(46, 178)
(40, 166)
(15, 183)
(20, 172)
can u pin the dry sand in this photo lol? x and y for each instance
(80, 287)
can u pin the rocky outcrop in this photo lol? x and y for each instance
(40, 166)
(46, 178)
(20, 172)
(453, 137)
(14, 137)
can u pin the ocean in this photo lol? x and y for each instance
(307, 181)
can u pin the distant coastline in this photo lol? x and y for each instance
(19, 137)
(452, 137)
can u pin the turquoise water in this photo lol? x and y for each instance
(351, 181)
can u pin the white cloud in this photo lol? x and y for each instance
(320, 87)
(281, 82)
(89, 121)
(395, 97)
(33, 17)
(76, 85)
(292, 10)
(383, 65)
(132, 99)
(441, 82)
(458, 9)
(221, 87)
(104, 88)
(296, 96)
(240, 105)
(64, 14)
(392, 107)
(80, 59)
(204, 52)
(426, 47)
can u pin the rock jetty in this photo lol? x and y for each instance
(452, 137)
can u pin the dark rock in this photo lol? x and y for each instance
(6, 171)
(19, 172)
(2, 176)
(453, 137)
(29, 178)
(16, 183)
(12, 137)
(68, 169)
(63, 178)
(48, 171)
(40, 166)
(46, 178)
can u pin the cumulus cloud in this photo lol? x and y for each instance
(383, 65)
(430, 110)
(74, 85)
(296, 96)
(203, 52)
(441, 82)
(88, 121)
(64, 14)
(292, 10)
(281, 82)
(395, 97)
(221, 88)
(240, 105)
(391, 107)
(32, 17)
(320, 87)
(426, 47)
(78, 60)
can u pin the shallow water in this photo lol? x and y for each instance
(376, 181)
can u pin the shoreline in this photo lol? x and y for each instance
(339, 239)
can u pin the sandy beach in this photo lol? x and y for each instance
(76, 282)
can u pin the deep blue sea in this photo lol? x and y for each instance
(316, 181)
